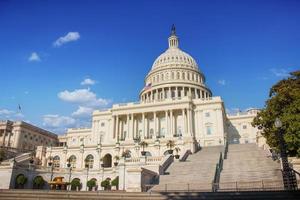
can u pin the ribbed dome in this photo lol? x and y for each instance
(174, 57)
(174, 74)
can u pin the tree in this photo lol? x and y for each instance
(75, 183)
(38, 182)
(91, 183)
(284, 103)
(2, 155)
(21, 180)
(106, 184)
(115, 182)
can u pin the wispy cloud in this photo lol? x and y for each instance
(222, 82)
(83, 112)
(6, 112)
(88, 81)
(11, 114)
(279, 72)
(34, 57)
(70, 37)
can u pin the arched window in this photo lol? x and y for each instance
(107, 161)
(56, 162)
(72, 161)
(178, 75)
(89, 161)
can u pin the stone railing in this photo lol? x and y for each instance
(166, 162)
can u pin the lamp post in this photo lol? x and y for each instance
(70, 170)
(87, 175)
(50, 164)
(288, 175)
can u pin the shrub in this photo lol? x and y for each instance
(21, 180)
(91, 183)
(39, 182)
(105, 184)
(75, 183)
(115, 182)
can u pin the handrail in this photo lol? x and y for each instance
(216, 180)
(185, 155)
(226, 150)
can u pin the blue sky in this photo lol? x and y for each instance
(48, 49)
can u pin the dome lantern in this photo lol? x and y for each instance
(173, 39)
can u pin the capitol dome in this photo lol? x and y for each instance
(174, 74)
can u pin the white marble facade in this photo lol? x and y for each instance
(175, 104)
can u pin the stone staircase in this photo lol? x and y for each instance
(194, 174)
(114, 195)
(249, 163)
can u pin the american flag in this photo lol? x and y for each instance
(148, 86)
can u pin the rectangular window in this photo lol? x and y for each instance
(207, 114)
(245, 127)
(208, 130)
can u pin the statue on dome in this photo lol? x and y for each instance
(173, 30)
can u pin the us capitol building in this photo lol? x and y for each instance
(176, 111)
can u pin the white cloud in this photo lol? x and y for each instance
(71, 36)
(88, 81)
(11, 115)
(222, 82)
(56, 121)
(84, 97)
(82, 112)
(279, 72)
(6, 112)
(34, 57)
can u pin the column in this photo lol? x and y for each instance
(170, 93)
(128, 127)
(188, 121)
(151, 95)
(132, 127)
(172, 123)
(156, 94)
(176, 93)
(143, 126)
(184, 122)
(197, 94)
(182, 92)
(117, 128)
(154, 120)
(167, 123)
(190, 92)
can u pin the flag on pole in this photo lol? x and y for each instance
(148, 86)
(19, 107)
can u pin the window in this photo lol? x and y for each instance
(56, 162)
(72, 161)
(102, 124)
(89, 161)
(208, 130)
(244, 126)
(207, 114)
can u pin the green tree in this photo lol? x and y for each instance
(21, 180)
(106, 184)
(115, 182)
(75, 183)
(2, 155)
(38, 182)
(284, 103)
(91, 183)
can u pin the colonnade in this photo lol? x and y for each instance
(149, 125)
(174, 92)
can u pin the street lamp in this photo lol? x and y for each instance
(50, 164)
(70, 170)
(288, 175)
(87, 174)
